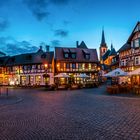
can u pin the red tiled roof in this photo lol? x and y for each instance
(66, 50)
(79, 55)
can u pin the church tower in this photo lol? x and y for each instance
(103, 47)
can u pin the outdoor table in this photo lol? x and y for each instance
(113, 89)
(124, 88)
(136, 90)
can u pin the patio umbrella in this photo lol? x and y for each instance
(115, 73)
(83, 75)
(62, 75)
(135, 72)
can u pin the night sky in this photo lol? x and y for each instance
(27, 24)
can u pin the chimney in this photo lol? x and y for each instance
(77, 44)
(47, 48)
(40, 47)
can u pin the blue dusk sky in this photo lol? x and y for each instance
(27, 24)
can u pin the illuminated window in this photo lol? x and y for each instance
(89, 65)
(38, 79)
(83, 66)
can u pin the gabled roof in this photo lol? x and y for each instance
(113, 51)
(82, 45)
(79, 55)
(3, 60)
(105, 56)
(31, 58)
(1, 53)
(126, 46)
(135, 30)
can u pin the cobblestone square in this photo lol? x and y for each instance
(69, 115)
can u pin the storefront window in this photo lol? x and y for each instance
(31, 79)
(74, 66)
(23, 80)
(67, 65)
(38, 79)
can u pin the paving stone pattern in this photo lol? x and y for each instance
(86, 114)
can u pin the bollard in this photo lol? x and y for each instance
(7, 92)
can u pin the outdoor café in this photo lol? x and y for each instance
(124, 82)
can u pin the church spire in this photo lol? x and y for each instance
(103, 43)
(111, 46)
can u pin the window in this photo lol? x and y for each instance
(73, 55)
(67, 65)
(136, 60)
(80, 66)
(104, 50)
(126, 61)
(73, 65)
(137, 43)
(87, 56)
(66, 55)
(122, 63)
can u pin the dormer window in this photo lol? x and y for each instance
(87, 56)
(66, 52)
(73, 55)
(66, 55)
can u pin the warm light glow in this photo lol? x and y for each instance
(89, 66)
(99, 68)
(58, 65)
(46, 65)
(12, 82)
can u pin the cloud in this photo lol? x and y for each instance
(59, 2)
(10, 46)
(40, 15)
(4, 24)
(61, 33)
(55, 43)
(38, 8)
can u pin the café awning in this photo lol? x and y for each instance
(135, 72)
(83, 75)
(115, 73)
(61, 75)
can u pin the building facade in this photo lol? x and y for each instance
(28, 69)
(78, 60)
(129, 53)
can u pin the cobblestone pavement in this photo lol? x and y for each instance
(70, 115)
